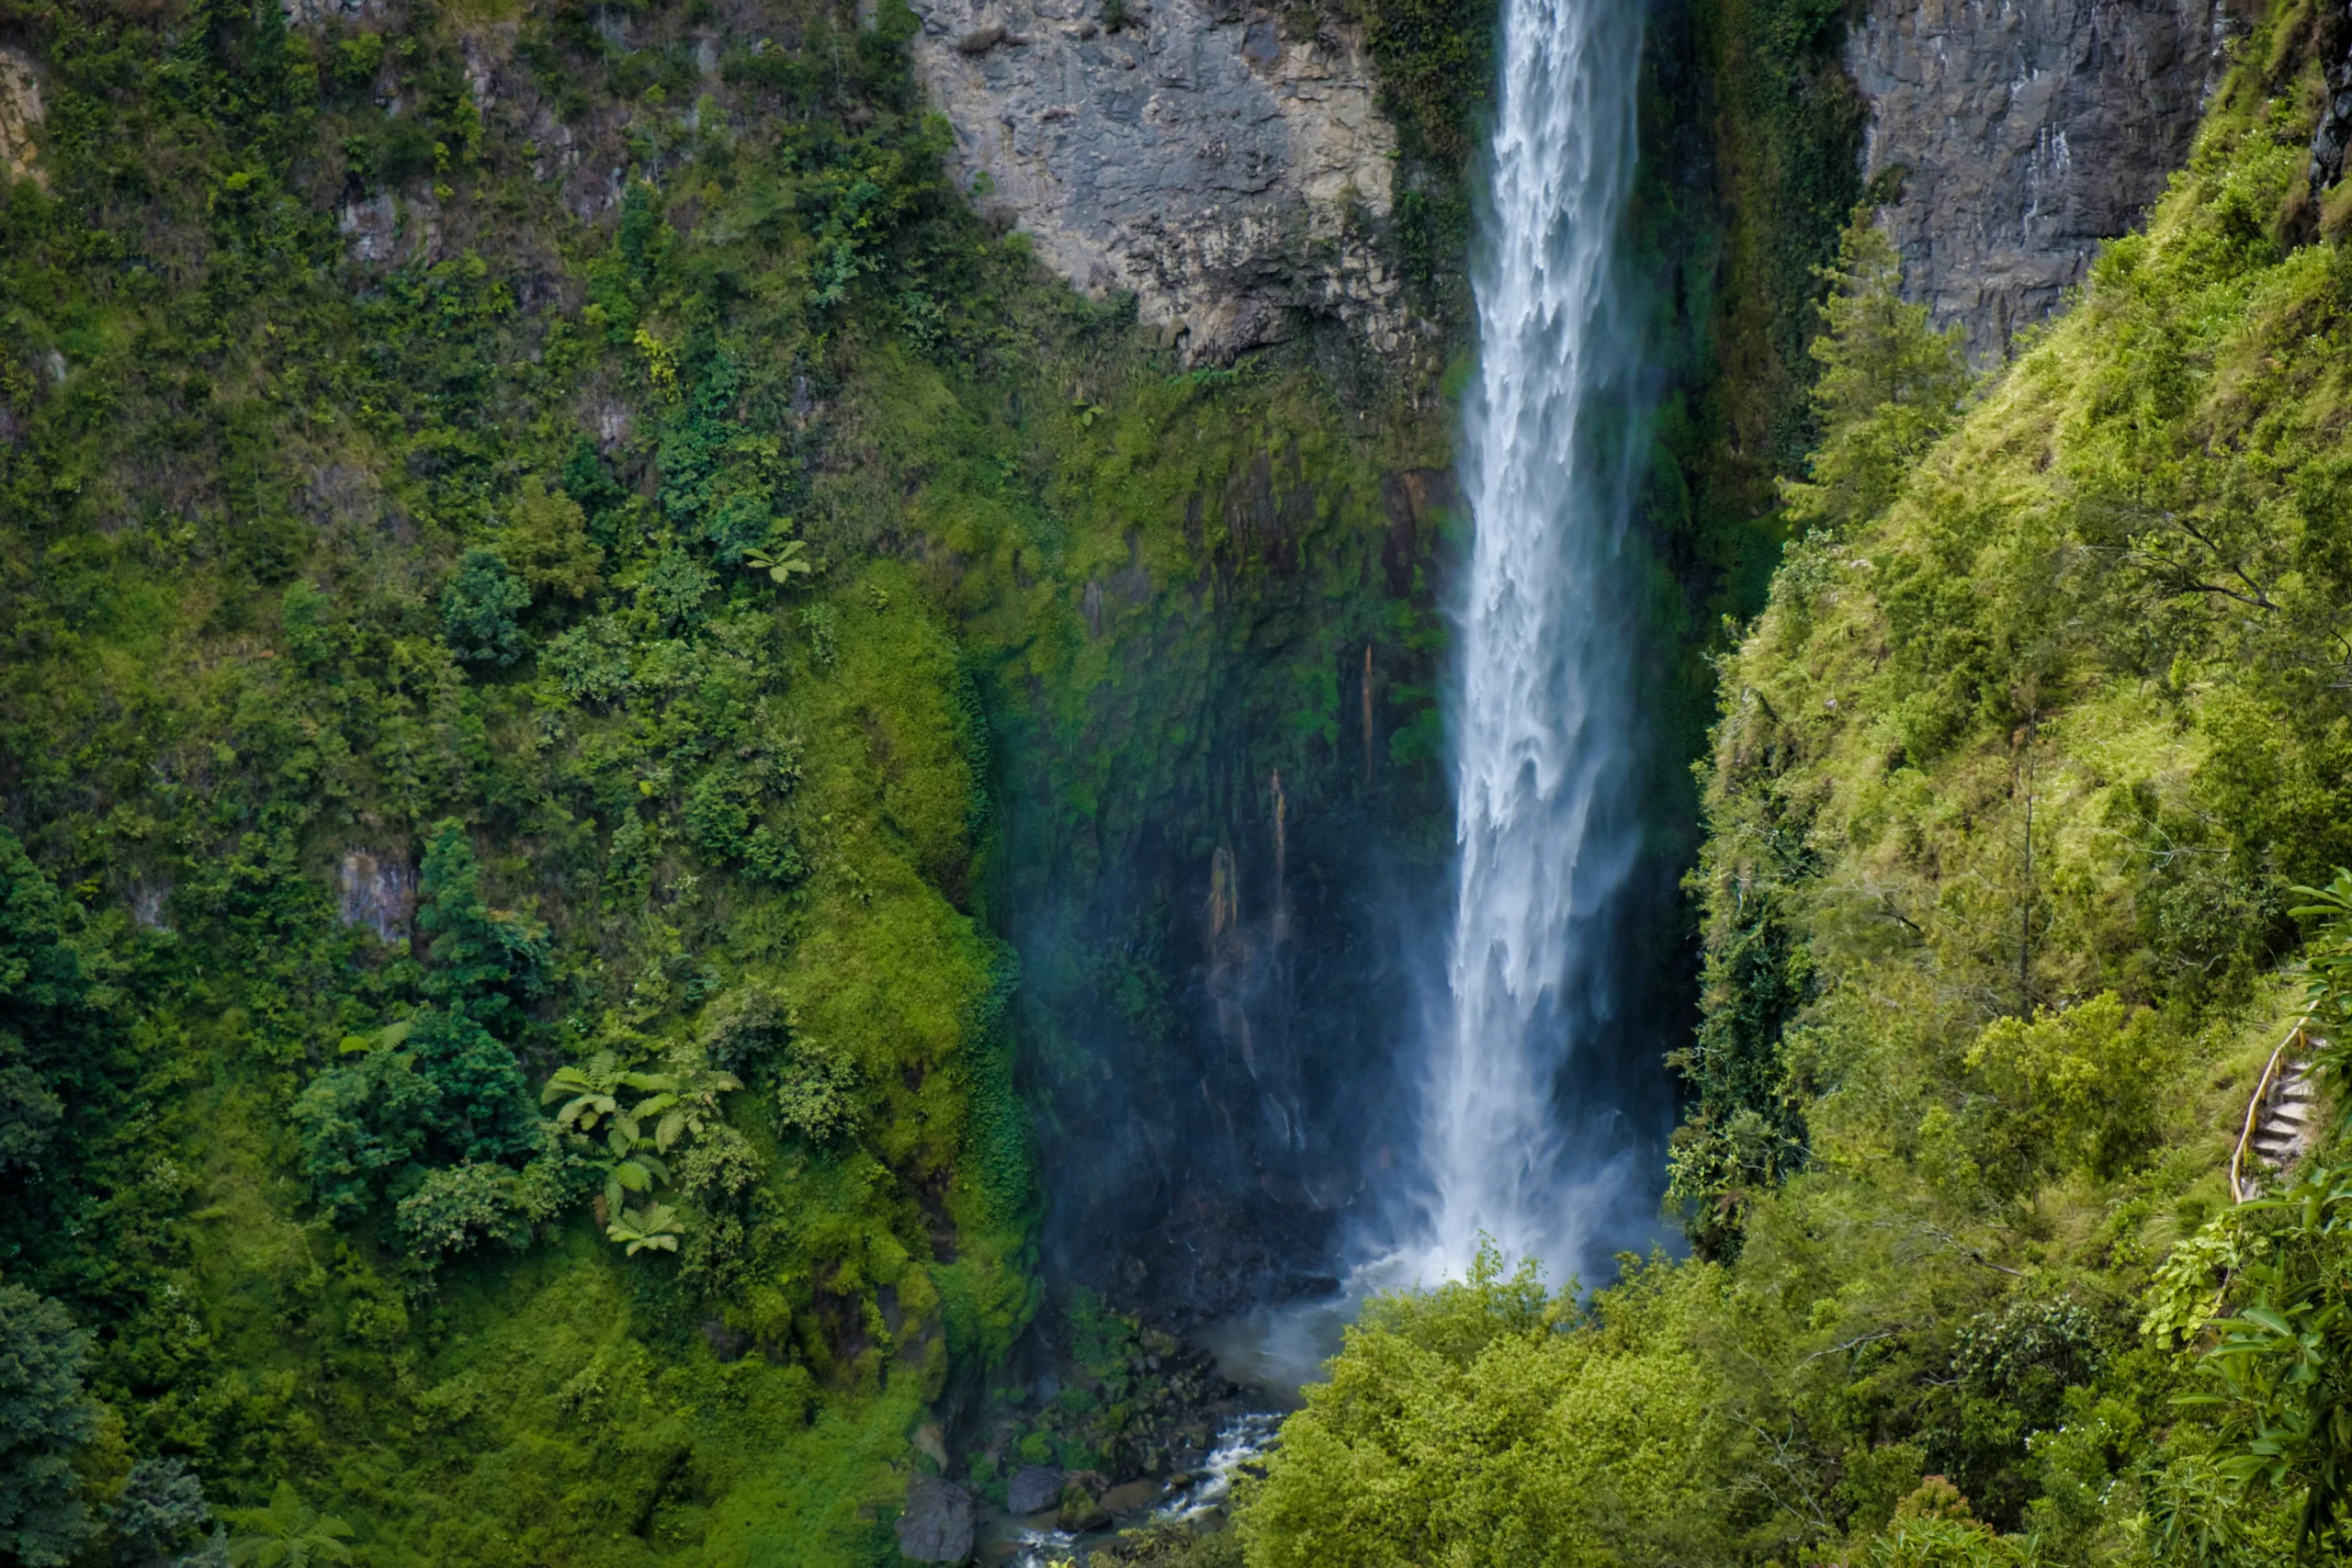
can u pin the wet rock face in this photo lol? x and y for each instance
(378, 891)
(2025, 132)
(1229, 174)
(1217, 987)
(2333, 136)
(1205, 1158)
(1033, 1489)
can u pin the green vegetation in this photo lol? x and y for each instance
(1751, 143)
(1888, 389)
(528, 696)
(1436, 63)
(2021, 788)
(1132, 1402)
(1488, 1422)
(288, 1533)
(1787, 143)
(532, 695)
(45, 1418)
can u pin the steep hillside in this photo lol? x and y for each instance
(564, 596)
(2012, 787)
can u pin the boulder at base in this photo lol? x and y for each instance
(1081, 1512)
(938, 1523)
(1033, 1489)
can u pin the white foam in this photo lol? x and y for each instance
(1241, 1441)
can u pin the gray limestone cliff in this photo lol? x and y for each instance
(1230, 174)
(2023, 133)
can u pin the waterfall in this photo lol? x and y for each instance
(1546, 760)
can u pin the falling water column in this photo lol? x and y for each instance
(1545, 751)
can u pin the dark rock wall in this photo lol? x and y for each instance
(2022, 133)
(1213, 991)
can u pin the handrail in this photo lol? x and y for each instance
(2238, 1195)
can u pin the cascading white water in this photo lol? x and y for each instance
(1545, 763)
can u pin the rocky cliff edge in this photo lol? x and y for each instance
(1230, 173)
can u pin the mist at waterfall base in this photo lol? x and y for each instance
(1539, 1103)
(1283, 1049)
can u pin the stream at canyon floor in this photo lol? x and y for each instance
(1192, 1497)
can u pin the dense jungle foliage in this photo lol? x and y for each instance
(540, 631)
(2027, 795)
(560, 590)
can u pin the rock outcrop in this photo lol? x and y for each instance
(1033, 1489)
(377, 891)
(1233, 175)
(2333, 132)
(20, 116)
(2023, 133)
(939, 1523)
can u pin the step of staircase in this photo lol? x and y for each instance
(2286, 1120)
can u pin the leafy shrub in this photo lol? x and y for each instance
(445, 1088)
(2073, 1089)
(2281, 1373)
(359, 1123)
(772, 854)
(1889, 387)
(480, 1104)
(718, 812)
(42, 997)
(479, 607)
(1171, 1546)
(490, 961)
(593, 662)
(743, 1029)
(547, 541)
(2030, 1351)
(44, 1418)
(302, 613)
(460, 1206)
(673, 593)
(1929, 1541)
(822, 623)
(289, 1533)
(721, 1167)
(160, 1510)
(816, 1089)
(1477, 1422)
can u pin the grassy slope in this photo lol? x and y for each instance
(2047, 621)
(2049, 740)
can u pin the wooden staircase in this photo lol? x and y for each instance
(2281, 1119)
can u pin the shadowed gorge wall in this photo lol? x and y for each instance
(1209, 847)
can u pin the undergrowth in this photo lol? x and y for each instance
(548, 545)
